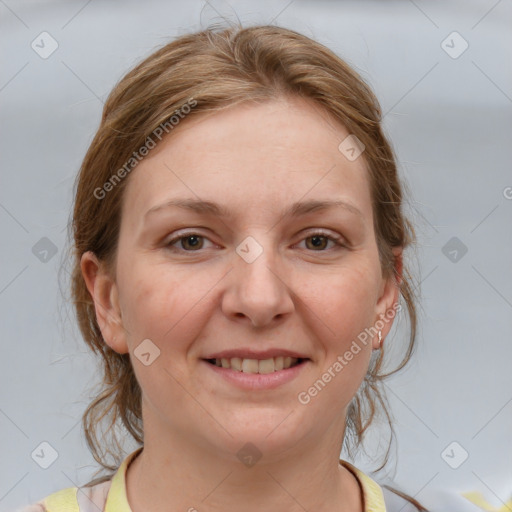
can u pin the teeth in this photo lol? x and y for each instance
(257, 366)
(236, 363)
(265, 366)
(250, 365)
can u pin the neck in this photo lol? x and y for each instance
(183, 475)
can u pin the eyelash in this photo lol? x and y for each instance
(333, 238)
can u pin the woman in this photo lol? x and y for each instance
(239, 244)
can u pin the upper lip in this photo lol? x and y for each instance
(254, 354)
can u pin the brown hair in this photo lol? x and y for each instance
(218, 68)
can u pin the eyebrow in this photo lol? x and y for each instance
(211, 208)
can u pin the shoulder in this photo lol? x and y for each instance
(396, 503)
(382, 498)
(72, 499)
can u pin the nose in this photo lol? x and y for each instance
(258, 291)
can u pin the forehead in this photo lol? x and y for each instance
(252, 157)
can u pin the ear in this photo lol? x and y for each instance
(387, 303)
(104, 293)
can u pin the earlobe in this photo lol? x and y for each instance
(103, 290)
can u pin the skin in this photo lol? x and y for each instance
(201, 298)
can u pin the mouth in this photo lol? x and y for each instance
(257, 366)
(257, 374)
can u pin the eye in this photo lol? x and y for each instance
(320, 239)
(190, 242)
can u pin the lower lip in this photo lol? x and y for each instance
(256, 381)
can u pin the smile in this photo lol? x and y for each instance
(261, 366)
(257, 374)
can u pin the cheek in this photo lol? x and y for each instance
(347, 300)
(163, 304)
(146, 309)
(348, 308)
(164, 307)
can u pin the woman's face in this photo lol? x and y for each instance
(246, 263)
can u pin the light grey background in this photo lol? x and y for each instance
(450, 122)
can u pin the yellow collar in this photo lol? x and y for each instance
(372, 492)
(117, 500)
